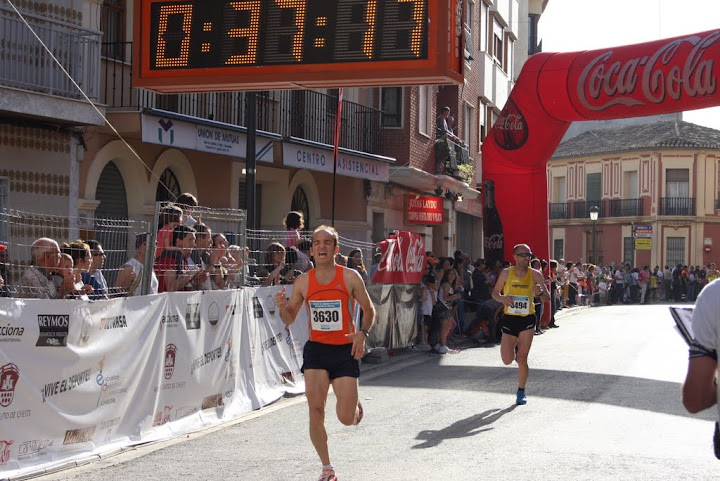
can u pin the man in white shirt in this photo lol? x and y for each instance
(700, 390)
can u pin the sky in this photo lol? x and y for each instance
(575, 25)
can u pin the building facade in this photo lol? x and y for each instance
(115, 155)
(656, 186)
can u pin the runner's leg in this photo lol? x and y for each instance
(524, 342)
(346, 393)
(317, 382)
(507, 348)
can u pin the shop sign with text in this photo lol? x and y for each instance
(421, 209)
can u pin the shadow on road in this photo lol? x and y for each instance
(623, 391)
(462, 429)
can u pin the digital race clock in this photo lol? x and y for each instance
(206, 45)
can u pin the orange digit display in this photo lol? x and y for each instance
(211, 45)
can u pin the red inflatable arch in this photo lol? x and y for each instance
(553, 90)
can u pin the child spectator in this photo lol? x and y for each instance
(294, 222)
(171, 216)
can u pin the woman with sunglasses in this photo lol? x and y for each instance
(516, 287)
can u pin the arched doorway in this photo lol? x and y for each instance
(168, 188)
(300, 203)
(113, 207)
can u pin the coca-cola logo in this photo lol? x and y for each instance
(163, 417)
(494, 242)
(9, 376)
(415, 259)
(390, 260)
(511, 129)
(5, 450)
(655, 78)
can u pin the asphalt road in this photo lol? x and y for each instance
(603, 403)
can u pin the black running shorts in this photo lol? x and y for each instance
(514, 325)
(335, 359)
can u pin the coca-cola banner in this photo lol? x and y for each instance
(403, 259)
(553, 90)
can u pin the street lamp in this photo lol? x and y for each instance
(594, 211)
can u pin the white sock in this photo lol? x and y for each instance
(328, 466)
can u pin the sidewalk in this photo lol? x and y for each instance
(398, 357)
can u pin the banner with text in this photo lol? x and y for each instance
(80, 378)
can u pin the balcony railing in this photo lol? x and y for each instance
(677, 206)
(580, 209)
(303, 114)
(621, 208)
(449, 155)
(25, 64)
(558, 210)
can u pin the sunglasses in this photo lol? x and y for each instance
(524, 254)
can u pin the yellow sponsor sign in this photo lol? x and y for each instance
(642, 244)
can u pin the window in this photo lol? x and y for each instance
(675, 251)
(508, 56)
(630, 184)
(391, 99)
(112, 24)
(496, 41)
(533, 34)
(425, 104)
(168, 188)
(629, 251)
(485, 20)
(558, 248)
(467, 124)
(677, 183)
(469, 20)
(482, 117)
(559, 190)
(593, 193)
(300, 203)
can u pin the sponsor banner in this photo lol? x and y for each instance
(204, 138)
(274, 357)
(422, 209)
(403, 259)
(135, 370)
(303, 156)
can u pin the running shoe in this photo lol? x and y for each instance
(424, 347)
(359, 414)
(328, 475)
(443, 349)
(521, 399)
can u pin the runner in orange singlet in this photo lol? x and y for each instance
(332, 354)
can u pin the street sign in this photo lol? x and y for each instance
(643, 244)
(643, 231)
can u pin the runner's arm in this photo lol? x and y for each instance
(499, 284)
(290, 308)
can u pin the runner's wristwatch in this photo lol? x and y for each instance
(366, 332)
